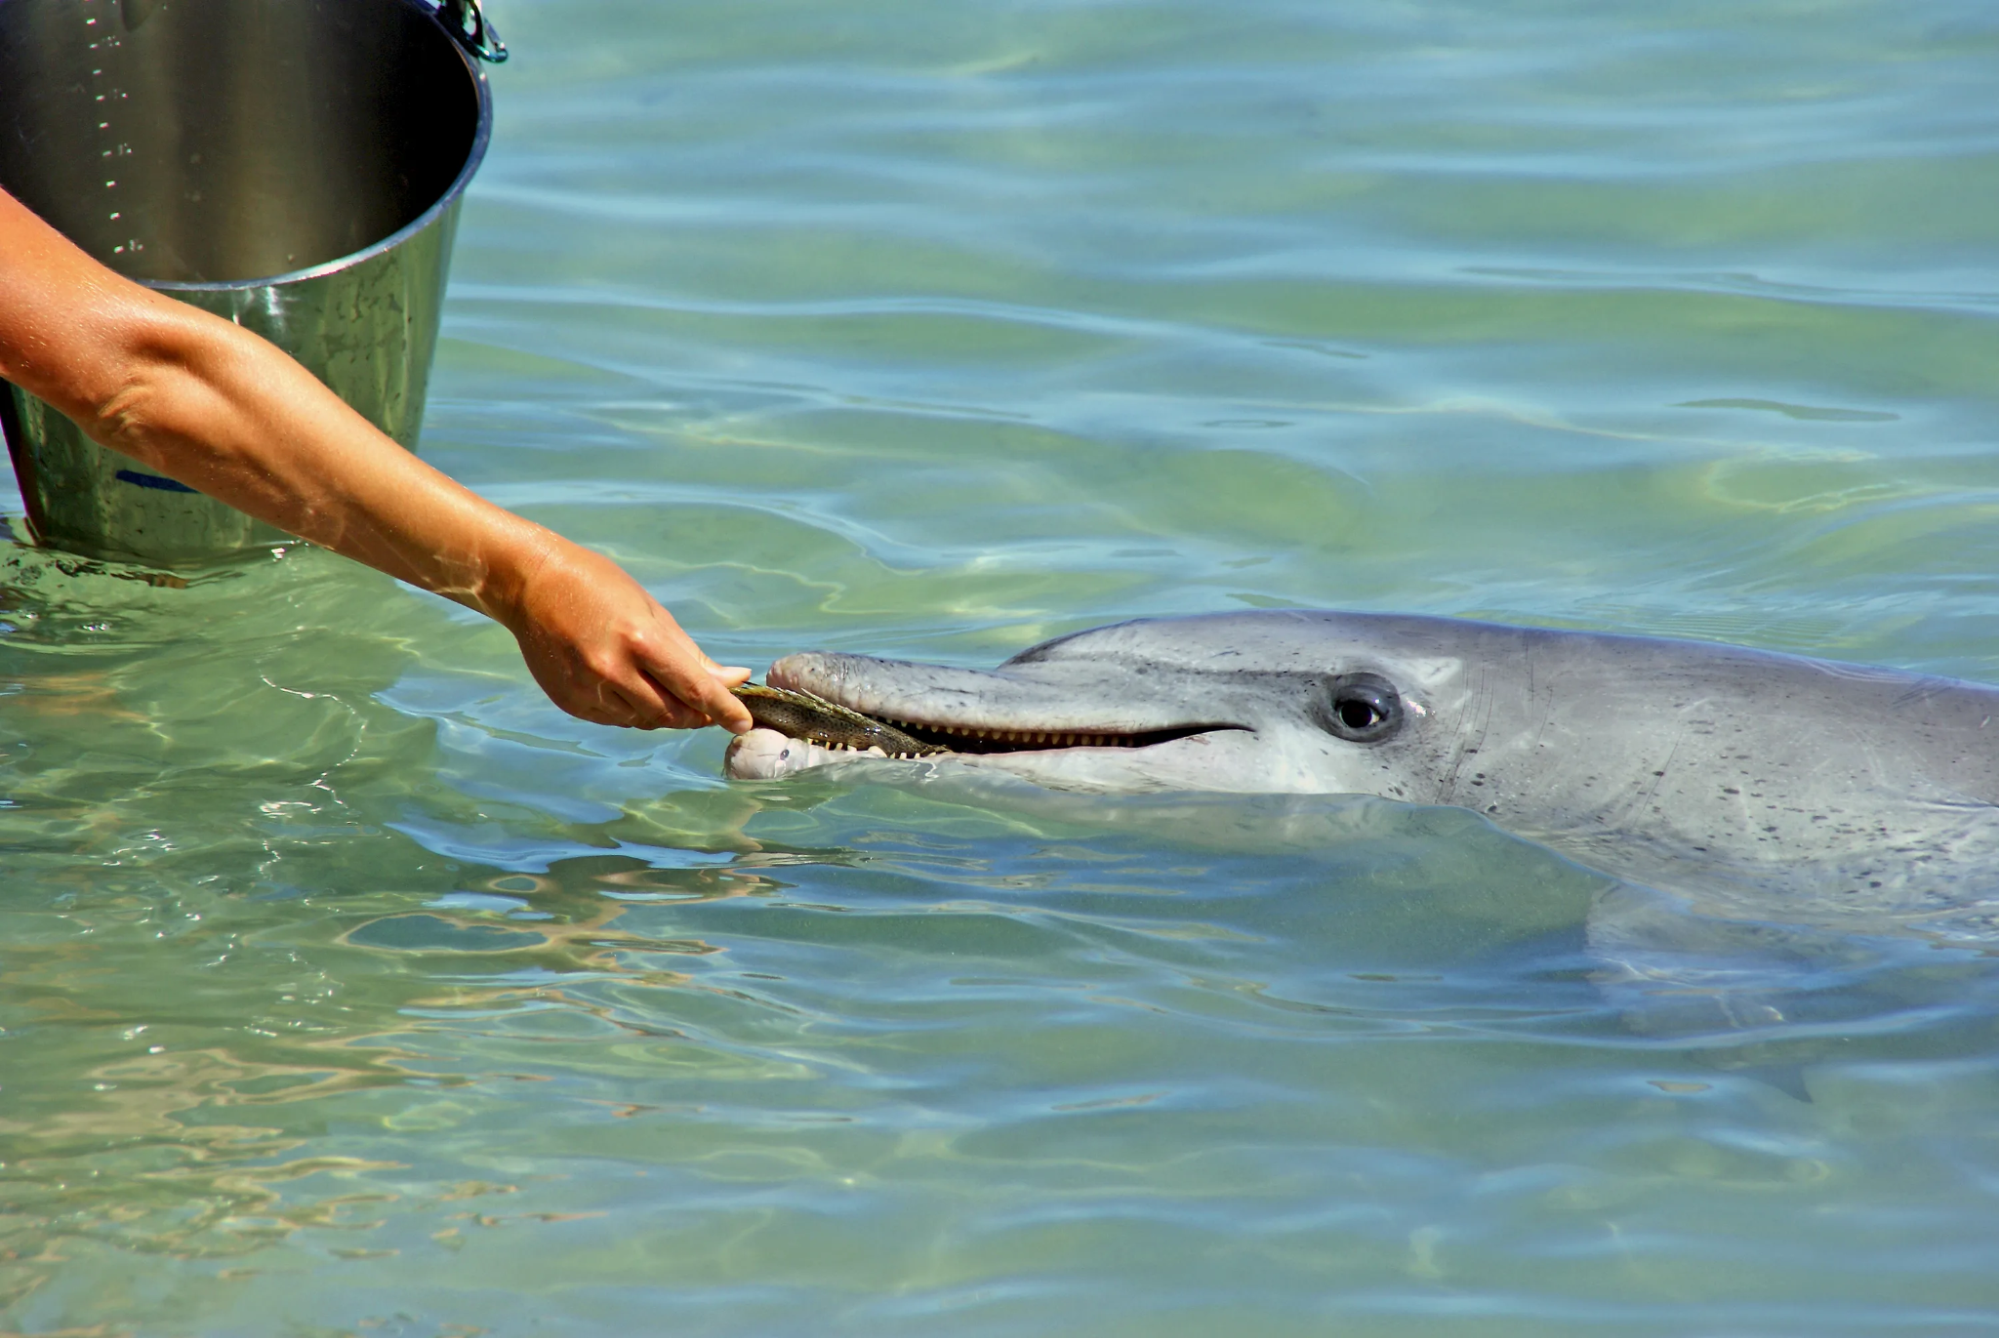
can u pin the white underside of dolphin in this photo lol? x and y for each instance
(1863, 792)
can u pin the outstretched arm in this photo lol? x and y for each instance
(218, 408)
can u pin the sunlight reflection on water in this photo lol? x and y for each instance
(344, 984)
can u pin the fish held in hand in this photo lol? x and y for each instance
(814, 720)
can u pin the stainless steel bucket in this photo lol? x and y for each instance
(293, 165)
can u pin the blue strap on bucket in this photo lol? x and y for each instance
(159, 481)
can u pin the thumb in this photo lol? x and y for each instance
(723, 707)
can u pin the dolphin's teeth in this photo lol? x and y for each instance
(968, 738)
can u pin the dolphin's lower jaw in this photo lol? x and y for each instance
(1193, 761)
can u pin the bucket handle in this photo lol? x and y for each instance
(464, 21)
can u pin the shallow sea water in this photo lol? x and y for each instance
(347, 986)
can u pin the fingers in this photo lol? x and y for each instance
(724, 707)
(675, 695)
(695, 695)
(617, 694)
(638, 703)
(691, 686)
(604, 650)
(660, 692)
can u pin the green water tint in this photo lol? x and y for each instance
(345, 985)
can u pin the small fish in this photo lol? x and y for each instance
(814, 719)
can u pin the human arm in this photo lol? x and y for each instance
(227, 413)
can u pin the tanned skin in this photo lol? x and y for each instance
(200, 400)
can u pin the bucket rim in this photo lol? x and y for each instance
(476, 154)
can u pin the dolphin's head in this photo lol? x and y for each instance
(1266, 701)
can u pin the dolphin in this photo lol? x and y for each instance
(1760, 784)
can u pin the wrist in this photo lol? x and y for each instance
(508, 576)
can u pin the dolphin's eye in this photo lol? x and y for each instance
(1363, 707)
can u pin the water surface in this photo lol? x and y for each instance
(348, 986)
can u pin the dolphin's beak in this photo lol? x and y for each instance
(982, 711)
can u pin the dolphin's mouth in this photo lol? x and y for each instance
(995, 739)
(885, 707)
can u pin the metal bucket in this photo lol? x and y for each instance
(293, 165)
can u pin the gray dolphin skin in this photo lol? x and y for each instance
(1672, 763)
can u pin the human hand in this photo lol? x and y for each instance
(604, 650)
(213, 406)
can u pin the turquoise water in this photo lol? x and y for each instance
(347, 986)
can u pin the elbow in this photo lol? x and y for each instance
(150, 394)
(127, 418)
